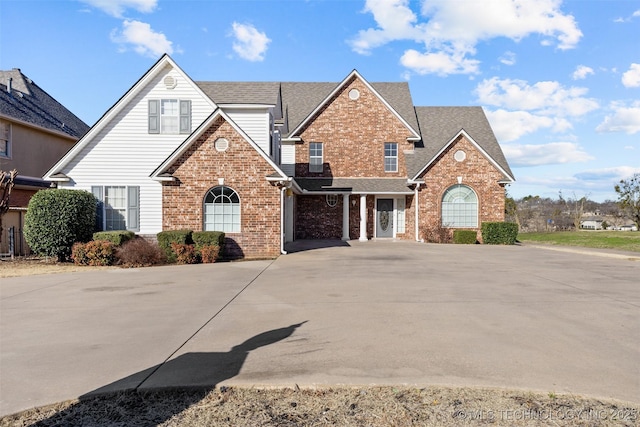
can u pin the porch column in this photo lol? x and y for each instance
(363, 218)
(345, 217)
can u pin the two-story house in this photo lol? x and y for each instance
(35, 132)
(270, 162)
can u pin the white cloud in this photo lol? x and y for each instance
(450, 32)
(631, 78)
(581, 72)
(509, 58)
(545, 154)
(249, 44)
(117, 7)
(546, 98)
(511, 125)
(625, 118)
(142, 38)
(614, 174)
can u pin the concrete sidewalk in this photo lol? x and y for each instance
(381, 312)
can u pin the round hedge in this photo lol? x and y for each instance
(58, 218)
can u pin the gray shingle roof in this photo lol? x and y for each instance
(438, 125)
(356, 185)
(241, 92)
(27, 102)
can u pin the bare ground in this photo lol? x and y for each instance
(344, 406)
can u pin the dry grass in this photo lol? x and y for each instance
(28, 266)
(372, 406)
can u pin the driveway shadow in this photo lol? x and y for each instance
(194, 374)
(311, 244)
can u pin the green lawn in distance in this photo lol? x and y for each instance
(620, 240)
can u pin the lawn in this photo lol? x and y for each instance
(620, 240)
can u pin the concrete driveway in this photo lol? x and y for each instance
(380, 312)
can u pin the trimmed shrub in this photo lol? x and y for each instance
(117, 237)
(166, 238)
(499, 233)
(208, 238)
(185, 254)
(140, 253)
(465, 237)
(209, 253)
(58, 218)
(94, 253)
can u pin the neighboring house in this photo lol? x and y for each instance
(35, 132)
(270, 162)
(593, 222)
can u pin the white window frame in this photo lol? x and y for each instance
(5, 139)
(129, 209)
(391, 159)
(158, 119)
(316, 166)
(222, 216)
(460, 212)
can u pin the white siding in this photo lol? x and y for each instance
(288, 165)
(255, 123)
(124, 153)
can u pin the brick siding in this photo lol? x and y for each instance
(243, 170)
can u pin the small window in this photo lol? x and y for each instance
(401, 220)
(315, 157)
(460, 207)
(118, 207)
(5, 139)
(390, 157)
(169, 116)
(222, 210)
(332, 200)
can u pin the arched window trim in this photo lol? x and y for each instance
(451, 215)
(218, 218)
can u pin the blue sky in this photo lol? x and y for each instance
(559, 80)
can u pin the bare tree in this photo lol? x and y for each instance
(575, 207)
(629, 197)
(7, 181)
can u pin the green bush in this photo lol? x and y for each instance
(466, 237)
(208, 238)
(166, 238)
(95, 253)
(58, 218)
(499, 233)
(118, 237)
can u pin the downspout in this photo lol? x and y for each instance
(283, 189)
(415, 202)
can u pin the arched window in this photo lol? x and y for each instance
(460, 207)
(222, 210)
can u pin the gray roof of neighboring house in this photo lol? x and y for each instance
(27, 102)
(356, 185)
(438, 125)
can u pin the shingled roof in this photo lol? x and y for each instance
(27, 102)
(439, 125)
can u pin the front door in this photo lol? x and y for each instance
(384, 218)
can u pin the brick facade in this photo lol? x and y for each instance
(353, 133)
(476, 172)
(244, 170)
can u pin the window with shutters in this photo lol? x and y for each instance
(169, 116)
(118, 207)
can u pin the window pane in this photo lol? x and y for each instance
(460, 207)
(222, 210)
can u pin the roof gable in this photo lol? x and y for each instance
(441, 126)
(182, 148)
(320, 87)
(137, 88)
